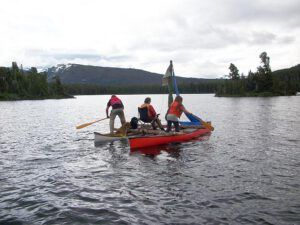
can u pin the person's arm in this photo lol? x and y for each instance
(107, 107)
(107, 111)
(184, 110)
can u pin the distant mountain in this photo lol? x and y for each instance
(109, 76)
(293, 71)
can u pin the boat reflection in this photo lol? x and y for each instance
(172, 149)
(123, 143)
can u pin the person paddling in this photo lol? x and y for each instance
(174, 112)
(117, 110)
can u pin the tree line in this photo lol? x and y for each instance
(93, 89)
(16, 83)
(263, 82)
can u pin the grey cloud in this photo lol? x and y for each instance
(263, 37)
(73, 56)
(209, 37)
(286, 12)
(220, 24)
(286, 40)
(57, 54)
(283, 14)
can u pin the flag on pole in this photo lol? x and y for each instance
(167, 77)
(167, 81)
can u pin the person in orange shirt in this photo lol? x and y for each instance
(152, 116)
(174, 113)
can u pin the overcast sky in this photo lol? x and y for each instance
(202, 37)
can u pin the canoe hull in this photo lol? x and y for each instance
(106, 137)
(143, 142)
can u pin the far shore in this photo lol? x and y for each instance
(14, 97)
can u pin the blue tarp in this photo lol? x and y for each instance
(193, 119)
(186, 123)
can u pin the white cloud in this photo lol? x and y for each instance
(201, 37)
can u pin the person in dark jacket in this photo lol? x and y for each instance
(117, 110)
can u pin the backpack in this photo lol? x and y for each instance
(134, 123)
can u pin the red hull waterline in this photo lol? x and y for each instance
(143, 142)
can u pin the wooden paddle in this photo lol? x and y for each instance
(88, 124)
(207, 125)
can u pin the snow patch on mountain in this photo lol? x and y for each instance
(61, 67)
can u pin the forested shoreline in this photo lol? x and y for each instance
(263, 82)
(19, 84)
(92, 89)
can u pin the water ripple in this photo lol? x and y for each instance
(246, 172)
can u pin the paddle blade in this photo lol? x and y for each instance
(84, 125)
(88, 124)
(194, 118)
(207, 125)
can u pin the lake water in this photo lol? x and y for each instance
(246, 172)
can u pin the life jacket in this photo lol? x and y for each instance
(151, 110)
(116, 103)
(176, 109)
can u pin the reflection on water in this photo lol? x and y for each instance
(172, 149)
(246, 172)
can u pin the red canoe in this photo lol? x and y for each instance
(148, 141)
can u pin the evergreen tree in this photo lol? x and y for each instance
(250, 83)
(265, 59)
(20, 84)
(234, 72)
(3, 80)
(264, 74)
(57, 87)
